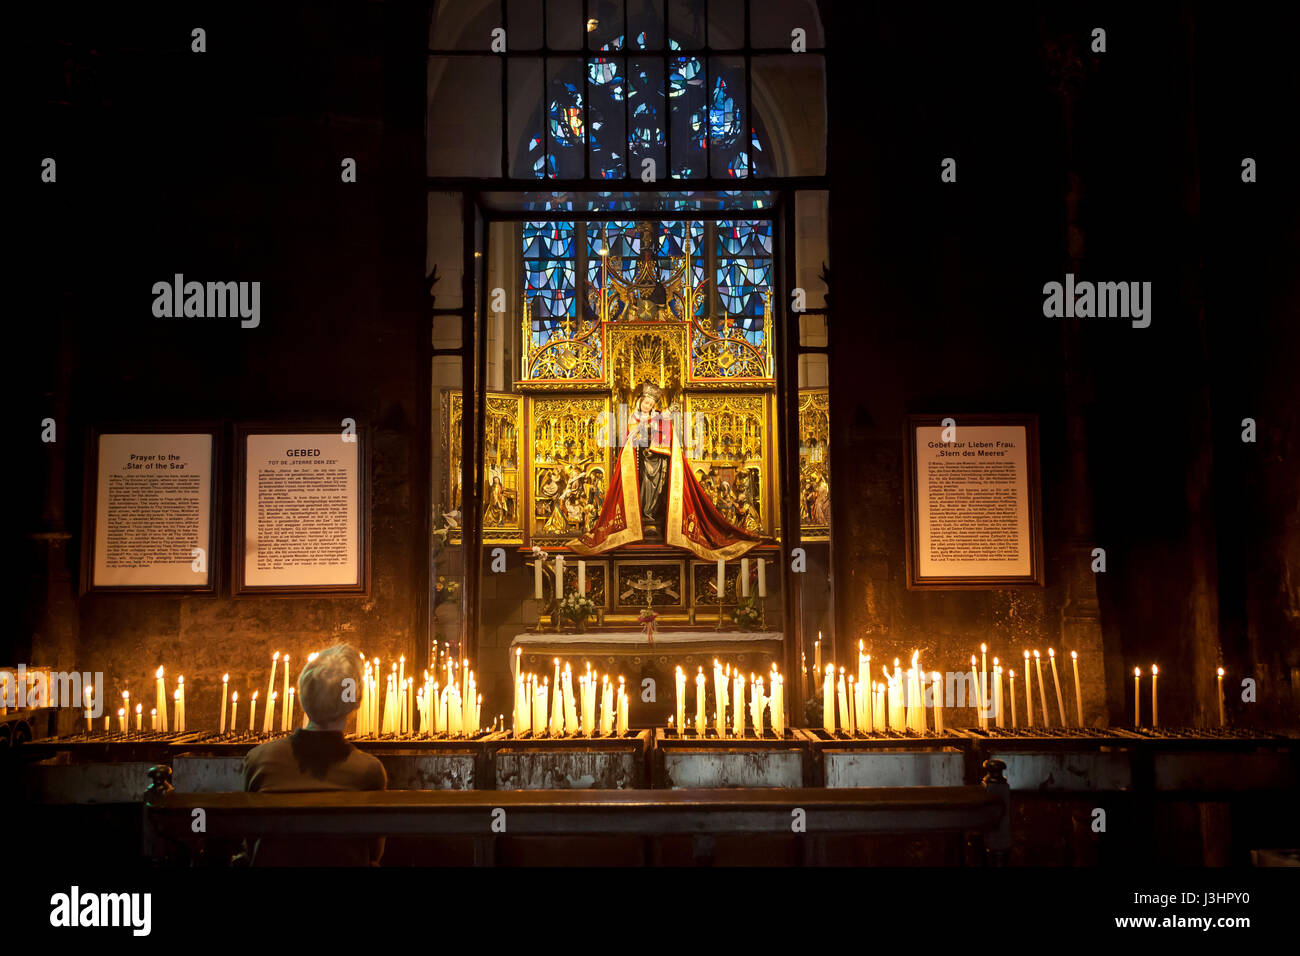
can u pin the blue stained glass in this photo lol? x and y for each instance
(724, 117)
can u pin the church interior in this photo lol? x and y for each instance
(700, 432)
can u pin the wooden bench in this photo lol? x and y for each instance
(169, 816)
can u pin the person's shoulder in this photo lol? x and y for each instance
(267, 751)
(372, 769)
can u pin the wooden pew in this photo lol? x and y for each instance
(168, 815)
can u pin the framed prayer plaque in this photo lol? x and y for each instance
(149, 508)
(302, 503)
(974, 502)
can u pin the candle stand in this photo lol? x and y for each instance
(571, 762)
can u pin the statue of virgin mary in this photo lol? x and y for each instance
(653, 496)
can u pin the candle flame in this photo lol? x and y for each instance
(983, 648)
(235, 696)
(1051, 652)
(1154, 670)
(1035, 653)
(159, 672)
(915, 655)
(1220, 671)
(275, 656)
(1137, 672)
(1026, 655)
(1074, 654)
(225, 678)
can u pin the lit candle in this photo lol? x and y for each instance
(234, 709)
(570, 706)
(1222, 721)
(738, 705)
(622, 708)
(284, 698)
(225, 688)
(1042, 690)
(680, 684)
(275, 660)
(126, 708)
(744, 577)
(292, 693)
(557, 705)
(979, 697)
(1155, 697)
(180, 696)
(559, 577)
(983, 691)
(139, 717)
(828, 705)
(842, 698)
(699, 702)
(252, 714)
(1029, 693)
(176, 702)
(762, 577)
(153, 718)
(936, 691)
(268, 724)
(997, 693)
(1056, 681)
(1078, 695)
(1137, 697)
(817, 655)
(756, 704)
(161, 704)
(1012, 675)
(722, 581)
(539, 705)
(4, 696)
(582, 578)
(121, 718)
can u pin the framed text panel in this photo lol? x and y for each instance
(974, 502)
(302, 511)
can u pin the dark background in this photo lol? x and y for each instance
(226, 166)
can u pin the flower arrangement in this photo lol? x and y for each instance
(577, 607)
(647, 619)
(445, 591)
(747, 615)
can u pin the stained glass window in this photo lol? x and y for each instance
(550, 275)
(625, 109)
(744, 256)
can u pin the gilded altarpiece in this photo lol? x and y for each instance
(503, 492)
(814, 464)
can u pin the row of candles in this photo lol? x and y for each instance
(582, 577)
(158, 714)
(729, 706)
(434, 707)
(543, 708)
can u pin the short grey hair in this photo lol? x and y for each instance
(329, 687)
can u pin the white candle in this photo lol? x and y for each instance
(121, 719)
(722, 582)
(582, 578)
(997, 693)
(762, 577)
(738, 705)
(269, 720)
(622, 708)
(1056, 680)
(162, 696)
(1137, 697)
(1029, 693)
(225, 687)
(4, 692)
(284, 699)
(234, 710)
(936, 693)
(1012, 675)
(537, 579)
(979, 696)
(699, 703)
(1042, 690)
(744, 577)
(292, 693)
(153, 718)
(680, 687)
(983, 692)
(275, 659)
(180, 693)
(176, 702)
(1222, 721)
(1078, 695)
(842, 699)
(1155, 697)
(559, 577)
(828, 703)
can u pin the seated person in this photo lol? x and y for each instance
(316, 759)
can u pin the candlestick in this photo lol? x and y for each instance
(1137, 697)
(1078, 695)
(983, 692)
(1042, 690)
(1221, 714)
(1056, 680)
(225, 688)
(1029, 694)
(234, 709)
(680, 685)
(161, 703)
(1155, 697)
(284, 698)
(699, 703)
(997, 693)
